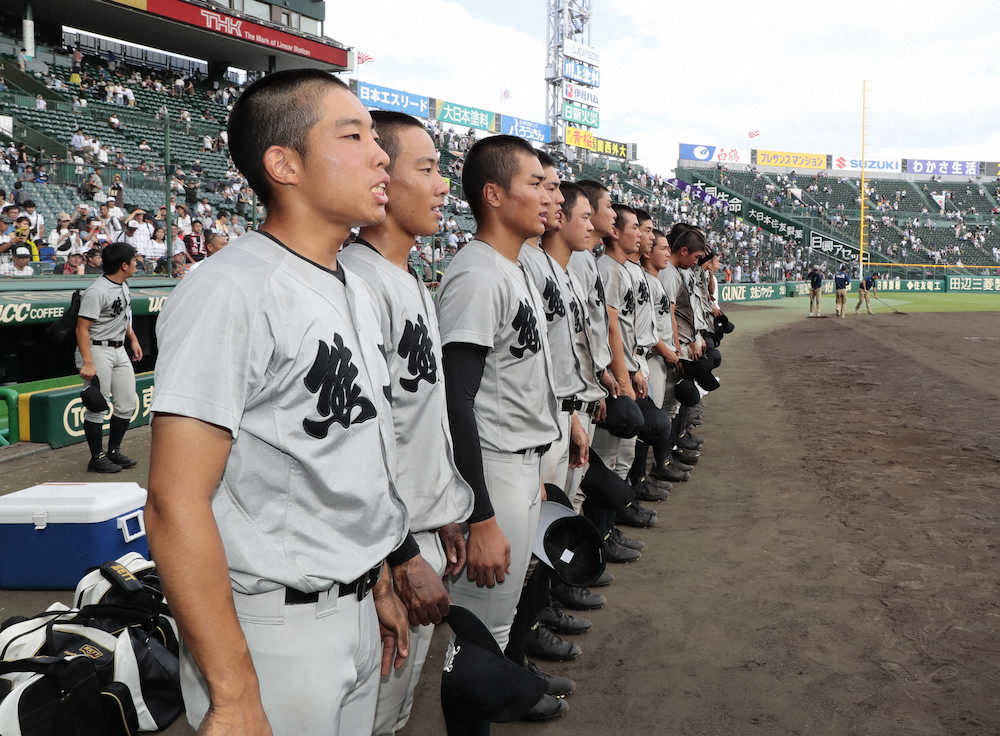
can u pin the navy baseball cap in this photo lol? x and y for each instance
(624, 418)
(567, 542)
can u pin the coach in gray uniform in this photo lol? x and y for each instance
(103, 325)
(271, 502)
(436, 496)
(498, 372)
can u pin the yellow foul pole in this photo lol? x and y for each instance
(861, 243)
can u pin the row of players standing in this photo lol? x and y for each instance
(327, 445)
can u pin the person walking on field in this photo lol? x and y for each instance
(841, 281)
(866, 287)
(815, 279)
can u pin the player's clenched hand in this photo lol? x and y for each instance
(393, 625)
(639, 381)
(489, 553)
(453, 542)
(88, 371)
(421, 591)
(609, 382)
(602, 412)
(136, 351)
(235, 720)
(579, 444)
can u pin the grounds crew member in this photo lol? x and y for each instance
(272, 506)
(867, 286)
(841, 282)
(815, 279)
(436, 496)
(103, 326)
(502, 403)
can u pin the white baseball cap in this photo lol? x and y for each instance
(22, 251)
(132, 223)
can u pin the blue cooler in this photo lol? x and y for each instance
(52, 534)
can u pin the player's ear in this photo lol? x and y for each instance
(493, 194)
(282, 165)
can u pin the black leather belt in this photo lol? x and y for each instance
(358, 587)
(541, 449)
(571, 405)
(108, 343)
(592, 407)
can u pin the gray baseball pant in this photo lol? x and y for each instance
(117, 377)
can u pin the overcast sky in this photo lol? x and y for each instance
(709, 72)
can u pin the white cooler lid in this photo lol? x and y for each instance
(71, 503)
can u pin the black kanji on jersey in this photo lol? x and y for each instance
(628, 302)
(417, 348)
(599, 290)
(643, 295)
(577, 317)
(554, 306)
(332, 377)
(117, 306)
(526, 327)
(664, 306)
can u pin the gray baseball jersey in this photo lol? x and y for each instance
(645, 320)
(582, 267)
(700, 298)
(583, 340)
(563, 317)
(285, 355)
(426, 476)
(109, 307)
(677, 292)
(486, 300)
(661, 310)
(620, 293)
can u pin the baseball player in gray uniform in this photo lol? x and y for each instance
(103, 326)
(498, 375)
(564, 320)
(436, 496)
(272, 506)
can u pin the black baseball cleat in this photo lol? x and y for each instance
(102, 464)
(555, 685)
(546, 709)
(605, 580)
(669, 474)
(636, 516)
(577, 598)
(645, 492)
(118, 458)
(680, 465)
(688, 457)
(561, 622)
(615, 551)
(542, 643)
(686, 442)
(692, 436)
(619, 537)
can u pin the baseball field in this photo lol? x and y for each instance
(831, 568)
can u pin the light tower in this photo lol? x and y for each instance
(569, 20)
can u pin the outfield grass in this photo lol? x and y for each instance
(902, 300)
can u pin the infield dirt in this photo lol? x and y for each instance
(831, 568)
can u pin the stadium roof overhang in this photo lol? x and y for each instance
(198, 29)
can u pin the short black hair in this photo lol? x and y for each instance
(388, 123)
(620, 211)
(571, 193)
(28, 203)
(592, 190)
(277, 110)
(545, 159)
(683, 235)
(491, 159)
(659, 233)
(114, 256)
(642, 215)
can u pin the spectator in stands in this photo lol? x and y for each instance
(183, 219)
(40, 104)
(191, 190)
(178, 251)
(196, 168)
(22, 60)
(94, 182)
(3, 85)
(223, 225)
(110, 221)
(94, 235)
(22, 236)
(74, 265)
(5, 235)
(114, 121)
(116, 192)
(157, 248)
(76, 64)
(64, 238)
(204, 210)
(185, 119)
(144, 146)
(21, 265)
(36, 220)
(194, 243)
(41, 176)
(92, 262)
(214, 242)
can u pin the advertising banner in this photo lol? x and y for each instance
(789, 160)
(583, 95)
(853, 163)
(466, 117)
(750, 292)
(944, 167)
(241, 28)
(588, 116)
(580, 72)
(586, 139)
(731, 202)
(989, 169)
(757, 215)
(802, 288)
(833, 247)
(898, 284)
(719, 154)
(987, 284)
(537, 132)
(386, 98)
(586, 54)
(36, 307)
